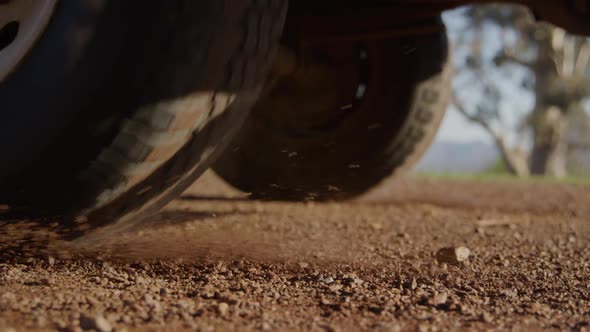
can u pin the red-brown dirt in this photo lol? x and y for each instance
(215, 261)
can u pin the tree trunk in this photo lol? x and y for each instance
(557, 162)
(548, 160)
(549, 153)
(548, 123)
(514, 160)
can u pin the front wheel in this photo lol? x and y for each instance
(350, 115)
(115, 107)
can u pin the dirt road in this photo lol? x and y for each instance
(214, 261)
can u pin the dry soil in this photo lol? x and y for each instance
(214, 261)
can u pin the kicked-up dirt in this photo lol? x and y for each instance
(415, 255)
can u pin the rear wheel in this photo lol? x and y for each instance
(120, 105)
(351, 114)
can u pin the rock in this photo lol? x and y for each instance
(376, 226)
(496, 222)
(92, 301)
(97, 323)
(486, 317)
(439, 299)
(453, 255)
(208, 292)
(510, 293)
(404, 236)
(325, 301)
(571, 238)
(222, 308)
(303, 265)
(328, 280)
(335, 287)
(424, 327)
(140, 280)
(8, 297)
(40, 321)
(388, 327)
(538, 308)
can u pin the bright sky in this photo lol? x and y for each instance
(516, 100)
(454, 127)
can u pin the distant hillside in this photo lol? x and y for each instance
(579, 163)
(452, 157)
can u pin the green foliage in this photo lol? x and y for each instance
(498, 168)
(489, 178)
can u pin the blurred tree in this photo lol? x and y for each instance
(556, 69)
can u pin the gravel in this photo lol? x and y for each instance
(222, 263)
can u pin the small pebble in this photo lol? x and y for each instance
(222, 308)
(376, 226)
(50, 260)
(97, 323)
(328, 280)
(538, 308)
(439, 299)
(453, 255)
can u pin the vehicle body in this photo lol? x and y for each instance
(112, 108)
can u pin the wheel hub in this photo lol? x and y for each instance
(21, 24)
(316, 88)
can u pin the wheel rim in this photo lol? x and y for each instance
(21, 24)
(327, 86)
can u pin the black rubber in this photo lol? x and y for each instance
(123, 103)
(407, 94)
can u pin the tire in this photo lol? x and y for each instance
(121, 105)
(278, 154)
